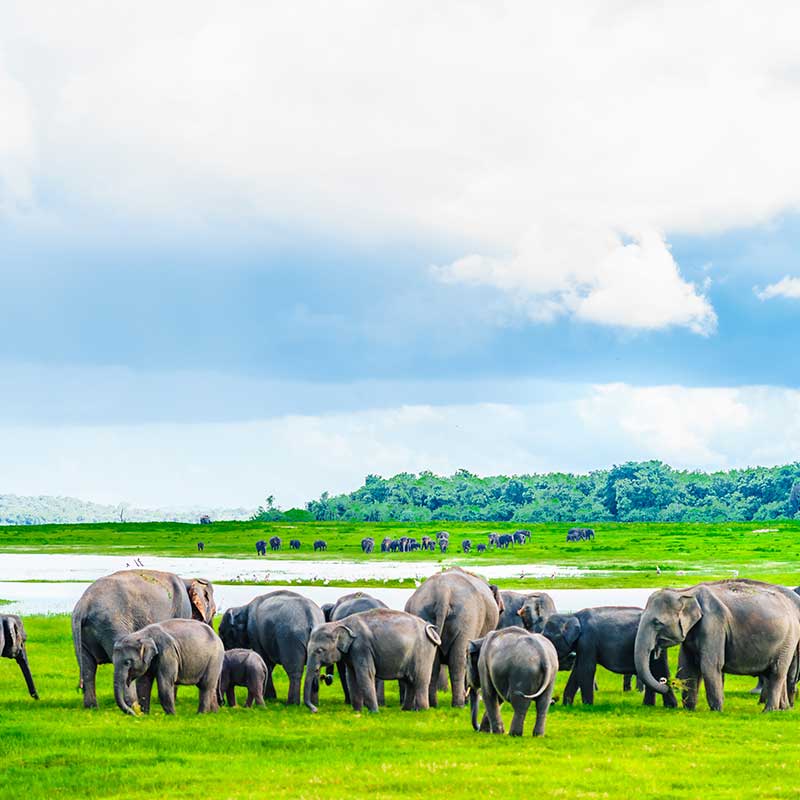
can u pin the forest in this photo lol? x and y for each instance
(648, 491)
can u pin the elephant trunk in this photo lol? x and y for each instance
(22, 660)
(643, 649)
(312, 677)
(120, 685)
(473, 705)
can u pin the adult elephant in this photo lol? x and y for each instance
(462, 607)
(739, 627)
(277, 626)
(119, 604)
(12, 645)
(604, 636)
(528, 609)
(345, 606)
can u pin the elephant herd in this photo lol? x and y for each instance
(456, 628)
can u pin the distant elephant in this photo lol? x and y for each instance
(261, 547)
(201, 546)
(367, 544)
(481, 548)
(242, 667)
(462, 607)
(277, 626)
(174, 652)
(604, 636)
(274, 542)
(376, 644)
(12, 645)
(740, 627)
(294, 544)
(529, 610)
(320, 544)
(344, 607)
(511, 665)
(466, 545)
(124, 602)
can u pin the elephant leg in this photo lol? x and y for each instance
(251, 698)
(255, 691)
(434, 682)
(269, 689)
(660, 669)
(406, 695)
(144, 690)
(356, 698)
(208, 699)
(458, 675)
(295, 681)
(584, 672)
(365, 676)
(166, 694)
(714, 683)
(443, 684)
(89, 673)
(491, 701)
(380, 692)
(689, 674)
(542, 707)
(759, 689)
(627, 682)
(486, 726)
(341, 668)
(571, 688)
(520, 706)
(230, 695)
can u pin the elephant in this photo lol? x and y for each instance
(511, 665)
(526, 609)
(277, 626)
(466, 545)
(12, 645)
(274, 542)
(344, 607)
(367, 544)
(320, 544)
(377, 644)
(173, 652)
(242, 667)
(261, 547)
(462, 607)
(201, 546)
(604, 636)
(739, 627)
(124, 602)
(294, 544)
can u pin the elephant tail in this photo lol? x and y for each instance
(546, 681)
(77, 640)
(433, 634)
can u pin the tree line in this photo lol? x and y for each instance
(647, 491)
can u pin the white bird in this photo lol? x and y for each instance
(658, 570)
(325, 582)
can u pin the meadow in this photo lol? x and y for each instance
(617, 749)
(622, 555)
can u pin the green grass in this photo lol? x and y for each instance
(617, 749)
(622, 555)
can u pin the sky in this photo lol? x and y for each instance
(270, 248)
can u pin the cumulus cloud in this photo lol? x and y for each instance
(786, 287)
(296, 457)
(478, 125)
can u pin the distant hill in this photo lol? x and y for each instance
(16, 510)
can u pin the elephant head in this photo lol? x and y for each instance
(12, 645)
(326, 646)
(473, 677)
(233, 628)
(666, 620)
(563, 630)
(201, 596)
(534, 613)
(132, 657)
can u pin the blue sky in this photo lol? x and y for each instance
(268, 251)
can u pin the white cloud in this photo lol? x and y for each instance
(786, 287)
(577, 428)
(16, 144)
(482, 125)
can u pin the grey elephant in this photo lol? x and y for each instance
(277, 626)
(344, 607)
(740, 627)
(12, 645)
(526, 609)
(602, 636)
(174, 652)
(124, 602)
(461, 606)
(380, 643)
(242, 667)
(511, 665)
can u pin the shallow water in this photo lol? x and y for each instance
(60, 598)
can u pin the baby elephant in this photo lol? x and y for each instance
(173, 652)
(379, 643)
(514, 665)
(242, 667)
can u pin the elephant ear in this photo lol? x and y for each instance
(498, 598)
(345, 638)
(148, 650)
(202, 600)
(326, 611)
(689, 613)
(14, 640)
(571, 630)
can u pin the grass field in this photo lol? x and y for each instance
(616, 749)
(621, 554)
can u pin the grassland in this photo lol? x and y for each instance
(616, 749)
(622, 555)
